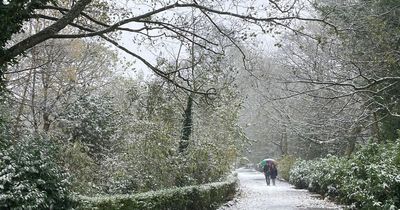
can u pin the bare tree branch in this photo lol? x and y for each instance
(44, 34)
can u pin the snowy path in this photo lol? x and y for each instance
(256, 195)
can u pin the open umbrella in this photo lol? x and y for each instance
(265, 161)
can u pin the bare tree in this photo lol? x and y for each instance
(343, 90)
(46, 82)
(155, 24)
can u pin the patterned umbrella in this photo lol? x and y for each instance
(265, 161)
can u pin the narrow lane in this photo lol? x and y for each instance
(256, 195)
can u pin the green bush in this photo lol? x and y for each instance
(368, 180)
(30, 179)
(373, 180)
(82, 169)
(299, 175)
(327, 175)
(285, 165)
(208, 196)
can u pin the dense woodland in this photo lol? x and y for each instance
(105, 97)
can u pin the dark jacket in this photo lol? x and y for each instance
(273, 172)
(266, 170)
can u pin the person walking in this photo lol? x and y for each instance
(267, 172)
(273, 173)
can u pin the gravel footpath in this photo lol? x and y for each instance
(254, 194)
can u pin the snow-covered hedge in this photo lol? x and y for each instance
(370, 179)
(208, 196)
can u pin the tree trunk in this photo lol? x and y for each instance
(351, 144)
(375, 128)
(284, 142)
(46, 109)
(187, 125)
(21, 107)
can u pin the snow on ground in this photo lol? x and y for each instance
(254, 194)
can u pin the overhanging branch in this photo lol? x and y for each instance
(44, 34)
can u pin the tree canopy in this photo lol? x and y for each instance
(151, 23)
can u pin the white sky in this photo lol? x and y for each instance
(264, 42)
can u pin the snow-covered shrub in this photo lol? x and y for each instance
(373, 180)
(82, 168)
(244, 162)
(204, 163)
(300, 173)
(327, 175)
(208, 196)
(29, 177)
(90, 121)
(145, 162)
(370, 179)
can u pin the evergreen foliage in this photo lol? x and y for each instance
(31, 179)
(285, 165)
(368, 180)
(90, 120)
